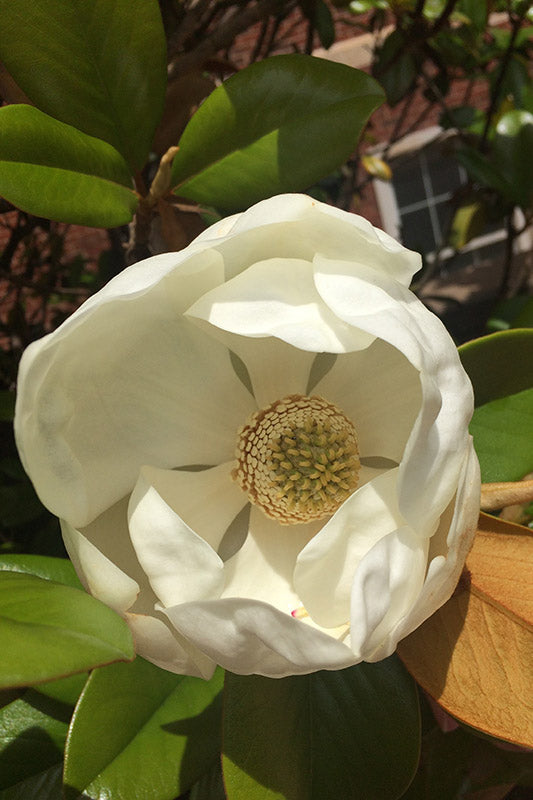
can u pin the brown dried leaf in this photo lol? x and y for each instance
(475, 655)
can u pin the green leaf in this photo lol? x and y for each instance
(142, 732)
(318, 13)
(50, 631)
(513, 145)
(33, 729)
(279, 125)
(468, 222)
(500, 364)
(52, 170)
(503, 433)
(330, 735)
(100, 66)
(395, 67)
(44, 786)
(59, 570)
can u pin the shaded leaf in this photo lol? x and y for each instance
(52, 170)
(45, 786)
(279, 125)
(140, 731)
(99, 66)
(497, 364)
(50, 631)
(350, 733)
(33, 729)
(475, 655)
(513, 144)
(395, 67)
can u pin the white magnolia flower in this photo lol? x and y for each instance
(258, 446)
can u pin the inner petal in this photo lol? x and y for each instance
(278, 297)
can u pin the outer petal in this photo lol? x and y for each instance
(100, 576)
(155, 641)
(448, 550)
(277, 297)
(251, 637)
(325, 568)
(435, 450)
(386, 584)
(296, 226)
(379, 390)
(165, 393)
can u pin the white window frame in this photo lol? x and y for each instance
(389, 209)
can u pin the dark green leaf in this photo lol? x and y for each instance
(142, 732)
(318, 13)
(100, 66)
(503, 436)
(50, 631)
(279, 125)
(52, 170)
(59, 570)
(33, 730)
(395, 67)
(513, 145)
(44, 786)
(330, 735)
(500, 364)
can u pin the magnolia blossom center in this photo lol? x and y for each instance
(297, 459)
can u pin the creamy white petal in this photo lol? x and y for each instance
(434, 452)
(296, 226)
(100, 576)
(155, 641)
(379, 391)
(251, 637)
(277, 297)
(385, 586)
(263, 568)
(165, 393)
(448, 549)
(180, 565)
(207, 500)
(325, 568)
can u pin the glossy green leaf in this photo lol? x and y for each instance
(330, 735)
(513, 145)
(142, 732)
(500, 364)
(100, 66)
(52, 170)
(279, 125)
(59, 570)
(33, 729)
(45, 785)
(49, 631)
(503, 437)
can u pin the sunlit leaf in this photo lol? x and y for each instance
(59, 570)
(52, 170)
(467, 223)
(100, 66)
(475, 655)
(279, 125)
(50, 631)
(499, 365)
(377, 167)
(503, 437)
(350, 733)
(142, 732)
